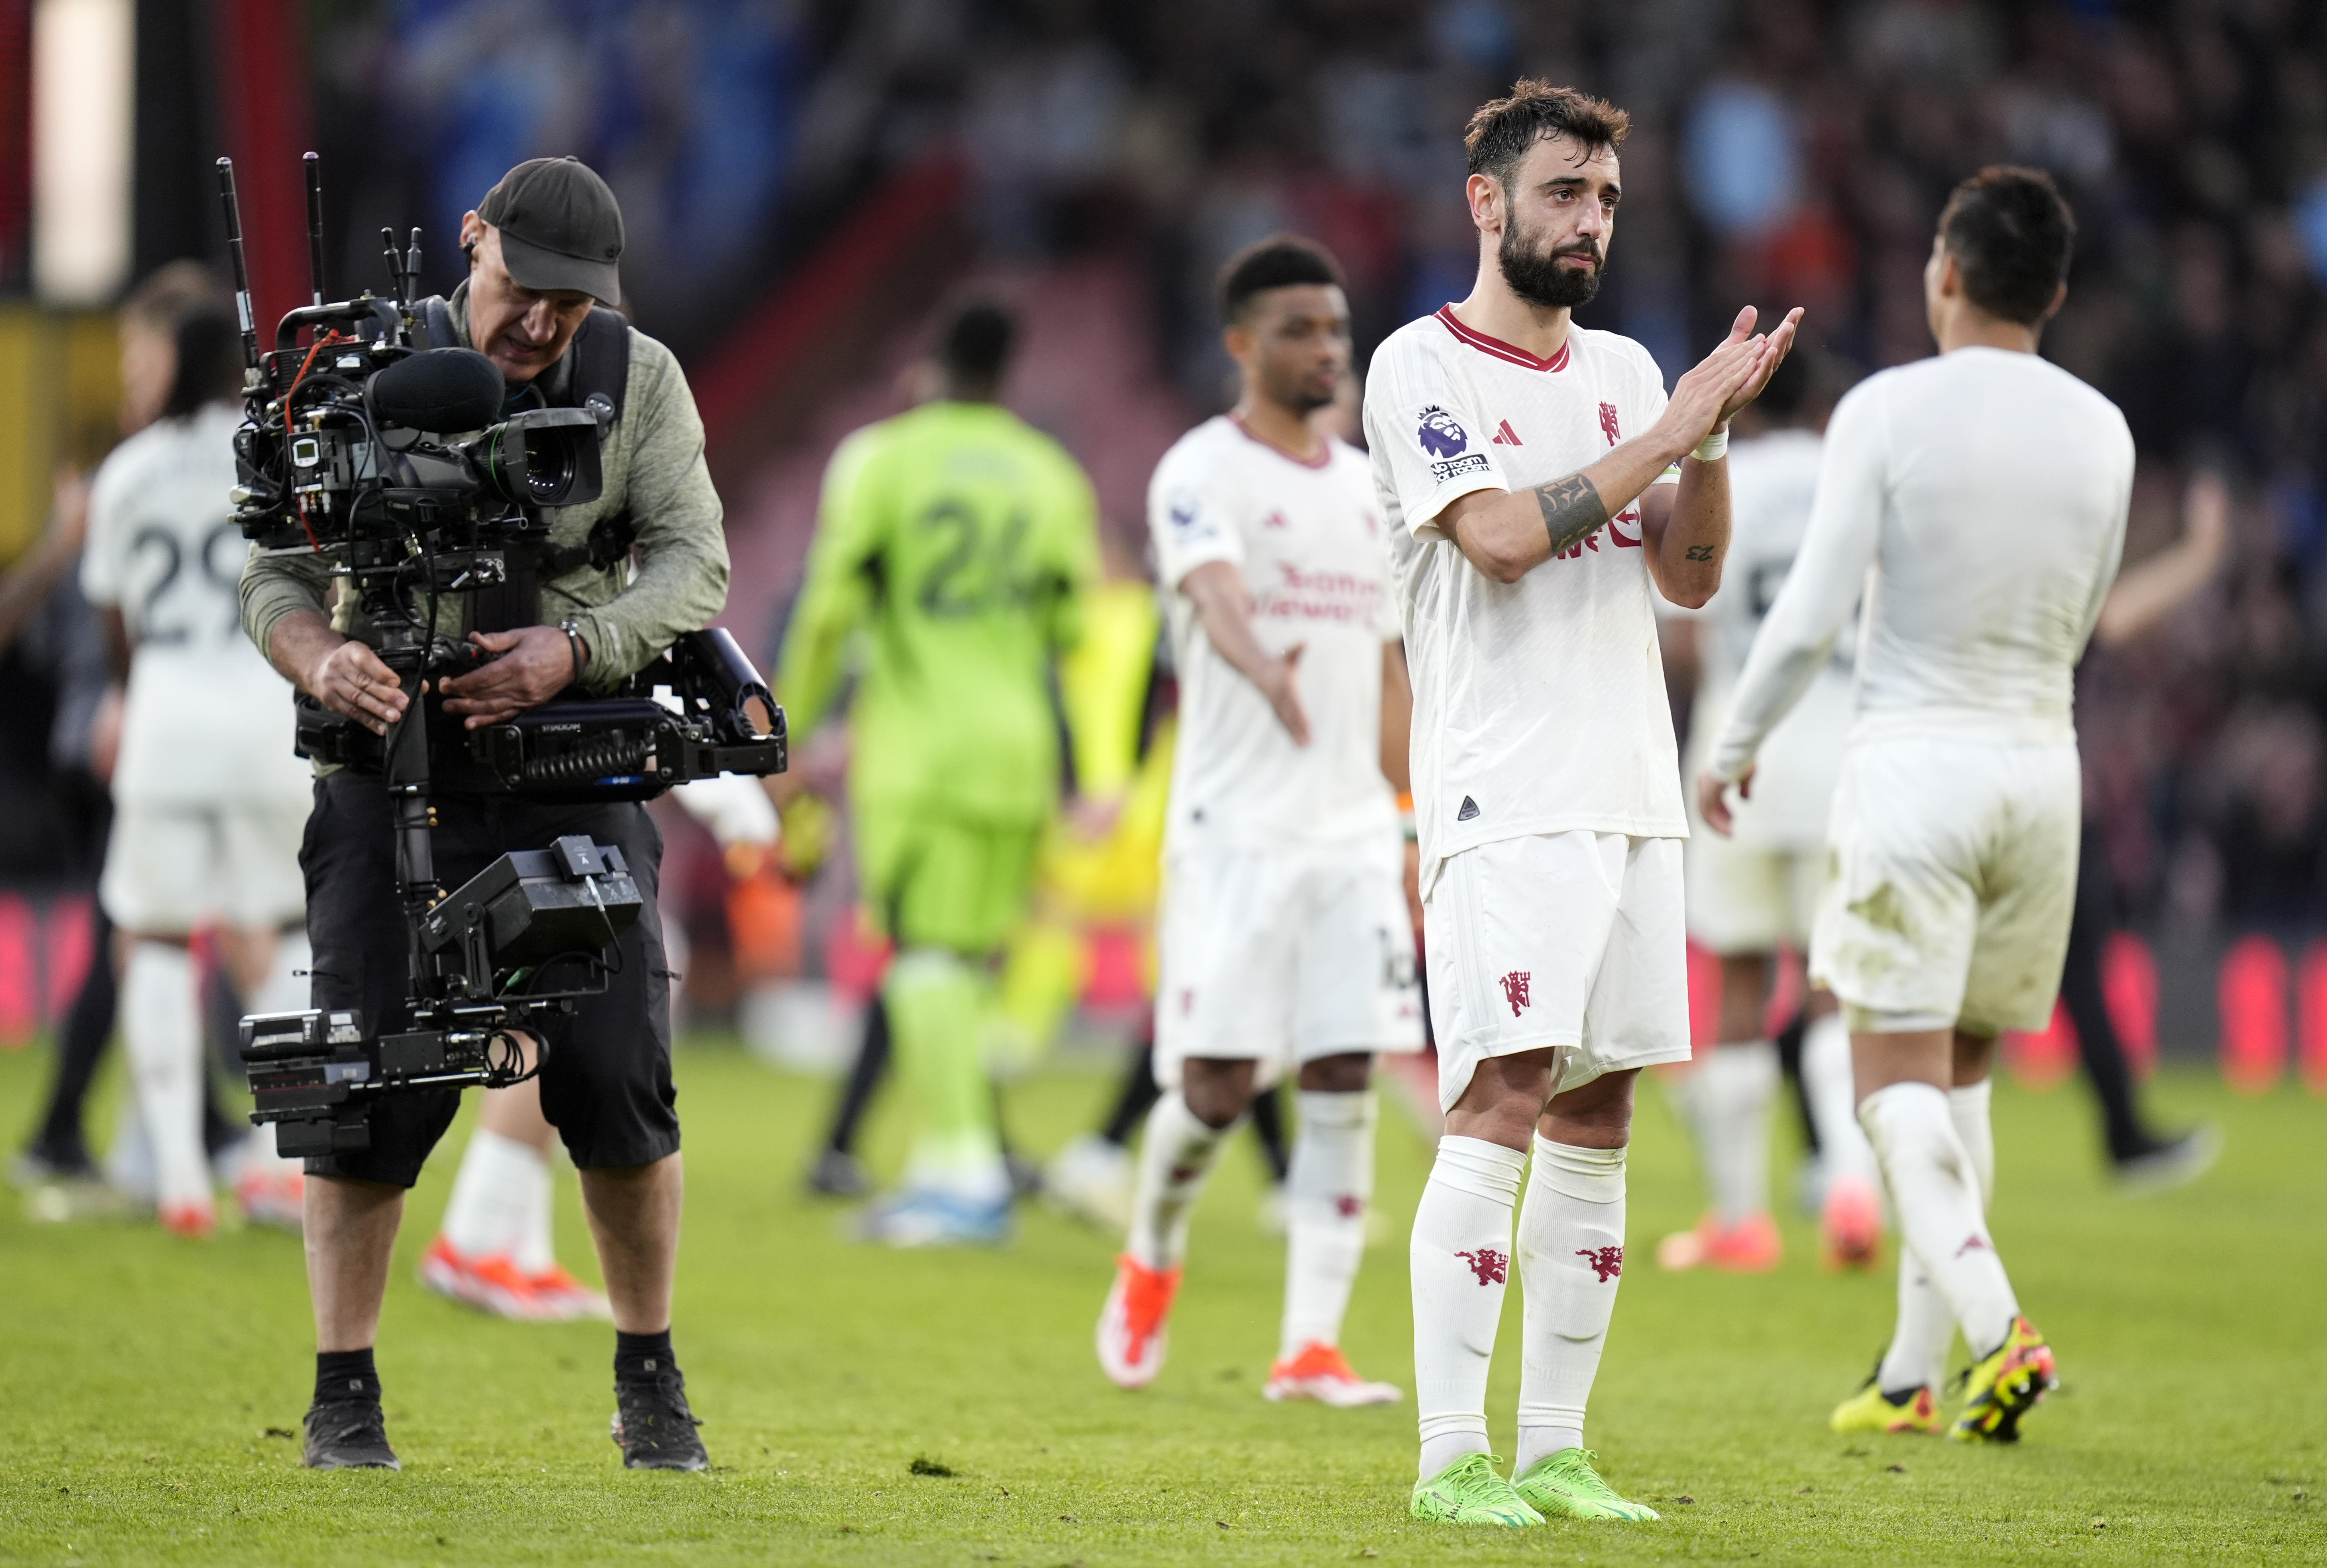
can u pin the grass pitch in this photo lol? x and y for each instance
(148, 1386)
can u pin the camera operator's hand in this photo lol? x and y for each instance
(343, 675)
(535, 663)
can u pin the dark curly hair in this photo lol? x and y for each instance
(1500, 133)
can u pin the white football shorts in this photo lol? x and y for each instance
(170, 869)
(1575, 940)
(1743, 898)
(1954, 878)
(1284, 955)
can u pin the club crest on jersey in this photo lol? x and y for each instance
(1607, 1261)
(1515, 990)
(1608, 427)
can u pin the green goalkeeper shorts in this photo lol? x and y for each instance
(937, 882)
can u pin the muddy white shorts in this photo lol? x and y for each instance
(1954, 878)
(173, 868)
(1284, 955)
(1575, 940)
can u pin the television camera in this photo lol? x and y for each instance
(382, 447)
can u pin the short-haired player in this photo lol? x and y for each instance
(1285, 945)
(1540, 484)
(1981, 496)
(1752, 893)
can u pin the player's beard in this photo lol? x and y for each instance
(1536, 275)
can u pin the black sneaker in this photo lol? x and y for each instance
(654, 1428)
(835, 1173)
(348, 1434)
(2170, 1162)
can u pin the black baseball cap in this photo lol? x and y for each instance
(560, 228)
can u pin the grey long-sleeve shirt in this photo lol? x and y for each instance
(653, 464)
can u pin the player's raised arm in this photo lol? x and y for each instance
(1506, 536)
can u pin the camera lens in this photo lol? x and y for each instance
(548, 467)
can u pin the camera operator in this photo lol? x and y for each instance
(542, 248)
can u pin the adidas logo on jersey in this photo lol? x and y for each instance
(1470, 810)
(1506, 436)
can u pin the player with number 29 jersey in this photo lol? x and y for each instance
(211, 798)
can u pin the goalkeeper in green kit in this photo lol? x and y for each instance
(960, 541)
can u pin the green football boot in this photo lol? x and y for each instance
(1565, 1485)
(1469, 1492)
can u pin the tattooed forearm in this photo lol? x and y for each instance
(1571, 508)
(1699, 552)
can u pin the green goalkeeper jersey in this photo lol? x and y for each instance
(960, 541)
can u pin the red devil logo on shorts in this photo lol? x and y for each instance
(1489, 1264)
(1515, 989)
(1607, 1261)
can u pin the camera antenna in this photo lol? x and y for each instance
(314, 227)
(242, 311)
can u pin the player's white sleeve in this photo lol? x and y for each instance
(105, 545)
(2107, 577)
(1434, 442)
(1191, 515)
(734, 807)
(1828, 574)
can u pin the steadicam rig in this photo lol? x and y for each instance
(380, 445)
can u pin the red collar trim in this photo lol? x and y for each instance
(1324, 451)
(1499, 349)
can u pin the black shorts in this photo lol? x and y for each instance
(605, 1085)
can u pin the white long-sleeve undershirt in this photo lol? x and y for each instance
(1980, 501)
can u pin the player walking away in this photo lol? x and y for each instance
(1987, 489)
(1284, 943)
(963, 540)
(1538, 482)
(494, 1249)
(1753, 893)
(209, 801)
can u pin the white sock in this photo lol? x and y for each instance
(1968, 1109)
(161, 1026)
(1935, 1192)
(1735, 1084)
(1828, 1080)
(1570, 1251)
(1918, 1356)
(502, 1184)
(1174, 1160)
(1326, 1193)
(1459, 1260)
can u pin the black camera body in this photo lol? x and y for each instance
(388, 453)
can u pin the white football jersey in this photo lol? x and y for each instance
(1307, 539)
(1772, 480)
(1979, 500)
(1539, 705)
(206, 718)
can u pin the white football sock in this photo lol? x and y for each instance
(1735, 1084)
(1174, 1160)
(1827, 1081)
(1459, 1260)
(1918, 1347)
(1935, 1192)
(502, 1185)
(161, 1027)
(1326, 1192)
(1571, 1249)
(1968, 1109)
